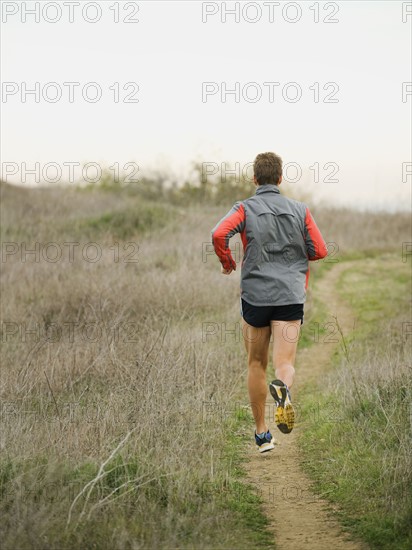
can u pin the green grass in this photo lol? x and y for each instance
(357, 447)
(126, 223)
(232, 506)
(237, 495)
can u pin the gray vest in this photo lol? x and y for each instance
(275, 262)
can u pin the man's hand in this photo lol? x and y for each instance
(225, 271)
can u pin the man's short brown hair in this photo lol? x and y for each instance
(267, 168)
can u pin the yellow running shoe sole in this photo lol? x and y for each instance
(285, 413)
(285, 418)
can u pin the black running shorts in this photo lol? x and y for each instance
(261, 316)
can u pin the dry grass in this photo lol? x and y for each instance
(68, 400)
(360, 232)
(109, 432)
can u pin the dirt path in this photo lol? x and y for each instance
(299, 519)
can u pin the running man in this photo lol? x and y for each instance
(279, 237)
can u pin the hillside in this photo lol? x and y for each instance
(125, 421)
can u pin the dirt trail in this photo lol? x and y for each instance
(299, 519)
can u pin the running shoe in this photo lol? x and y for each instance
(267, 443)
(285, 413)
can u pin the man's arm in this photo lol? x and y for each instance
(315, 244)
(229, 225)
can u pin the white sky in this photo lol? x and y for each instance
(170, 52)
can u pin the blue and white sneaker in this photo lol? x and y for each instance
(265, 443)
(285, 413)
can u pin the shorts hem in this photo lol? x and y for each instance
(261, 316)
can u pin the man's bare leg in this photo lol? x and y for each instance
(257, 348)
(285, 344)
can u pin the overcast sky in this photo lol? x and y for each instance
(331, 97)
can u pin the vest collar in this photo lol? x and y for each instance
(268, 188)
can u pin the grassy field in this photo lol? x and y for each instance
(116, 407)
(123, 370)
(358, 447)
